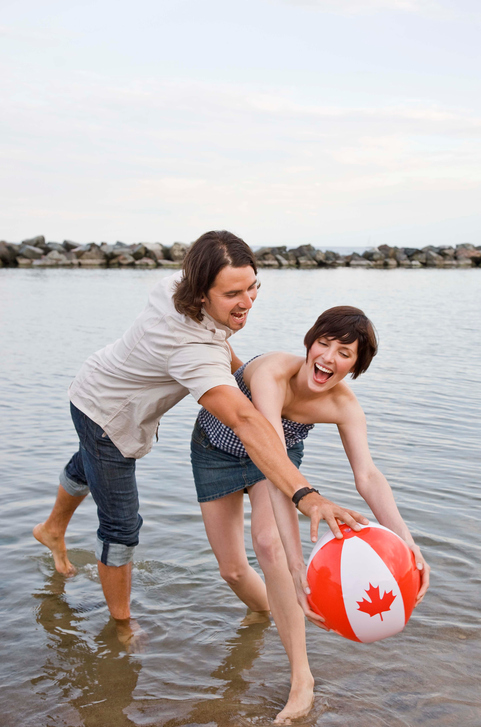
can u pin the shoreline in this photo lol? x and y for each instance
(37, 253)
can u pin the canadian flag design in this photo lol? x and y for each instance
(364, 585)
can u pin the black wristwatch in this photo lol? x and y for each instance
(297, 496)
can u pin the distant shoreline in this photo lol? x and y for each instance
(37, 253)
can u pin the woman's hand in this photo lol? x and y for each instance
(424, 571)
(302, 591)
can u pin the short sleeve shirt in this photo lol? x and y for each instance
(127, 386)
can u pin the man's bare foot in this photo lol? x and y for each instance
(255, 617)
(58, 548)
(130, 635)
(299, 704)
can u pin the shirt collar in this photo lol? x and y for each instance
(212, 325)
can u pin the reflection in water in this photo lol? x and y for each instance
(94, 679)
(230, 700)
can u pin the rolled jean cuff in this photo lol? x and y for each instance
(73, 488)
(115, 554)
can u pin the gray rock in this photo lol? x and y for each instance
(125, 259)
(92, 255)
(59, 258)
(138, 251)
(387, 251)
(419, 257)
(468, 253)
(145, 262)
(433, 259)
(79, 251)
(55, 246)
(53, 259)
(390, 262)
(357, 261)
(259, 254)
(108, 250)
(24, 262)
(154, 250)
(7, 253)
(283, 263)
(304, 251)
(30, 252)
(320, 257)
(373, 255)
(447, 251)
(69, 245)
(38, 241)
(410, 251)
(178, 251)
(465, 262)
(268, 263)
(304, 261)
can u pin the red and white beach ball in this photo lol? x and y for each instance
(364, 585)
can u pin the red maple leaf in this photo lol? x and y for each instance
(377, 604)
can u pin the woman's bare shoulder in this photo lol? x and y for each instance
(338, 406)
(279, 364)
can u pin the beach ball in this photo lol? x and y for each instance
(364, 585)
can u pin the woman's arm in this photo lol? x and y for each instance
(373, 486)
(235, 362)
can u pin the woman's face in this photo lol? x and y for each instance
(329, 361)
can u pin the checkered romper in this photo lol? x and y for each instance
(224, 438)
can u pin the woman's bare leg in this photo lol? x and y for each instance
(51, 533)
(224, 525)
(287, 613)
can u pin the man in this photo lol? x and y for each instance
(177, 345)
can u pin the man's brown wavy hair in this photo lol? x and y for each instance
(204, 260)
(346, 324)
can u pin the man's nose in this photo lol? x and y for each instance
(246, 301)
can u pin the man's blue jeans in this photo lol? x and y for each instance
(98, 467)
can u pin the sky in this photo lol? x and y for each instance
(324, 122)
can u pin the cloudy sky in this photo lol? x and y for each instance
(331, 122)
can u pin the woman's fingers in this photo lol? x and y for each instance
(424, 571)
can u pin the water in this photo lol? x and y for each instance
(61, 664)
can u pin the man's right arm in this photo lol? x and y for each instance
(266, 450)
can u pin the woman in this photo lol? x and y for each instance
(293, 393)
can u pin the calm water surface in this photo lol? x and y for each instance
(61, 664)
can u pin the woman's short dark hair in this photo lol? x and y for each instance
(203, 262)
(346, 324)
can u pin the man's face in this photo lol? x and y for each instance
(231, 297)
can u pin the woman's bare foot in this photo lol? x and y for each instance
(255, 617)
(299, 704)
(130, 635)
(56, 545)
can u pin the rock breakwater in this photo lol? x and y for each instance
(37, 253)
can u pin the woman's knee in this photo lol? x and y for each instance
(268, 546)
(233, 573)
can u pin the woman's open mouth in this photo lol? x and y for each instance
(322, 374)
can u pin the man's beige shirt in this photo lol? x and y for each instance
(127, 386)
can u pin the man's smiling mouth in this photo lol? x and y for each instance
(239, 315)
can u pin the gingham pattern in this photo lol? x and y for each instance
(224, 438)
